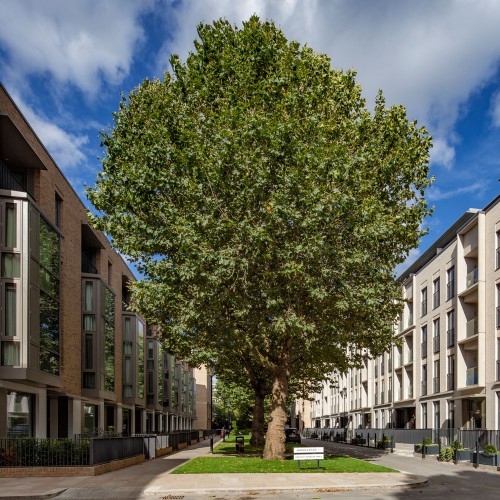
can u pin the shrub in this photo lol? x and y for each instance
(427, 441)
(446, 454)
(457, 445)
(489, 449)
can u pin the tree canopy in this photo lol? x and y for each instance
(265, 205)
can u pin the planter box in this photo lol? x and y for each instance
(430, 449)
(485, 459)
(464, 455)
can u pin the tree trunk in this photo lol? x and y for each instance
(257, 438)
(274, 448)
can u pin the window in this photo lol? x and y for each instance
(451, 414)
(498, 306)
(423, 301)
(424, 341)
(436, 415)
(435, 380)
(10, 310)
(450, 382)
(424, 415)
(140, 359)
(450, 332)
(498, 250)
(89, 351)
(58, 210)
(49, 299)
(424, 380)
(435, 295)
(10, 354)
(436, 336)
(450, 287)
(11, 265)
(10, 225)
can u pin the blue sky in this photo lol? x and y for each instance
(65, 62)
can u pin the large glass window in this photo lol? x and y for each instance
(49, 299)
(11, 265)
(140, 359)
(19, 414)
(90, 418)
(10, 225)
(10, 354)
(423, 301)
(109, 339)
(450, 286)
(10, 310)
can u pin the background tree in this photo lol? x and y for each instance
(265, 206)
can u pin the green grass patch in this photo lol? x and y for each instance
(229, 447)
(215, 465)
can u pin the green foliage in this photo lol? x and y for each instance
(446, 454)
(490, 449)
(265, 205)
(457, 445)
(427, 441)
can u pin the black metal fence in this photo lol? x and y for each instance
(84, 451)
(445, 437)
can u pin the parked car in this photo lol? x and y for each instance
(292, 435)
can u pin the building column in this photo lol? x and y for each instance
(101, 417)
(119, 419)
(74, 417)
(41, 414)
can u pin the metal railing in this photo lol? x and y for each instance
(435, 343)
(450, 289)
(9, 181)
(87, 266)
(450, 335)
(435, 384)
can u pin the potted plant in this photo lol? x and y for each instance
(461, 452)
(430, 447)
(488, 455)
(384, 443)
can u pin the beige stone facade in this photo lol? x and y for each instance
(444, 369)
(73, 357)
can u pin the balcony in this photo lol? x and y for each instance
(435, 343)
(450, 336)
(435, 384)
(471, 328)
(424, 388)
(471, 376)
(424, 349)
(450, 381)
(9, 181)
(471, 278)
(409, 358)
(87, 265)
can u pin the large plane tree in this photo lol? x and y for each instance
(266, 207)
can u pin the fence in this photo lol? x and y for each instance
(445, 437)
(83, 451)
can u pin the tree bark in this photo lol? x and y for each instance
(274, 448)
(257, 438)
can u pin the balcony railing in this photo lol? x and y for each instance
(471, 328)
(424, 388)
(435, 299)
(450, 381)
(471, 278)
(450, 335)
(389, 396)
(376, 399)
(435, 343)
(410, 391)
(471, 376)
(87, 266)
(450, 289)
(435, 384)
(424, 349)
(9, 181)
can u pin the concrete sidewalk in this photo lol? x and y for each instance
(153, 478)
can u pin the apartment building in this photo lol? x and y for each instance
(73, 357)
(444, 368)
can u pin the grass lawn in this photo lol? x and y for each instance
(229, 447)
(242, 463)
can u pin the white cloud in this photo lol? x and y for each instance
(495, 109)
(68, 150)
(429, 55)
(78, 42)
(435, 194)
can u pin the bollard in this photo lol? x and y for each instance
(455, 453)
(368, 439)
(392, 443)
(423, 448)
(476, 456)
(211, 443)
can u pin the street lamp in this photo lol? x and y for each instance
(211, 412)
(343, 393)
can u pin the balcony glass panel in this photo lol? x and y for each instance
(471, 278)
(450, 334)
(435, 382)
(471, 376)
(450, 381)
(471, 328)
(435, 341)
